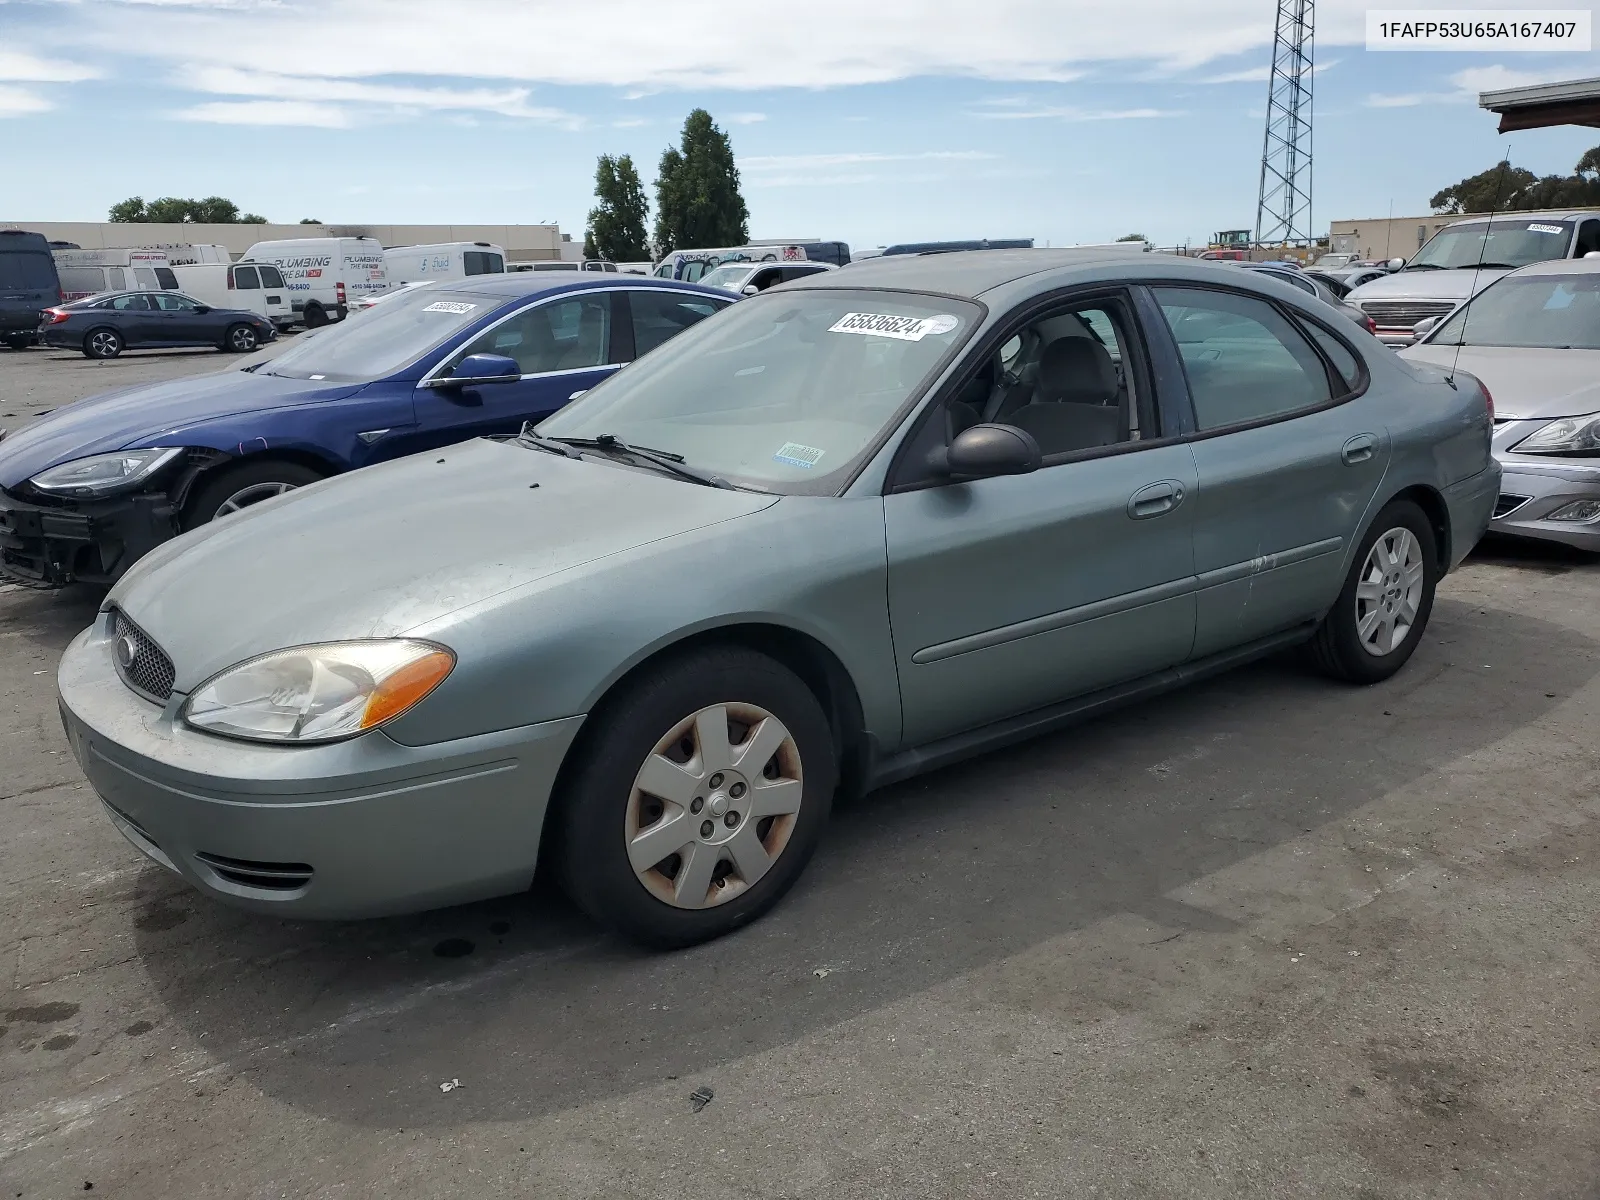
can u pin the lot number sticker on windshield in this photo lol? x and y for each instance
(450, 306)
(797, 455)
(904, 329)
(1545, 229)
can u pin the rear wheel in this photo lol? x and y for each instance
(242, 486)
(102, 343)
(700, 799)
(241, 339)
(315, 317)
(1375, 625)
(19, 341)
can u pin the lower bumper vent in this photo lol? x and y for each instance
(1508, 504)
(264, 876)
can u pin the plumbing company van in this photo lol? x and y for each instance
(90, 272)
(446, 260)
(258, 287)
(325, 275)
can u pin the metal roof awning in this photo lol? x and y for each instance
(1576, 102)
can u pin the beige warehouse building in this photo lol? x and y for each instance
(522, 243)
(1388, 237)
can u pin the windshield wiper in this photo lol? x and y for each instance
(1422, 267)
(609, 443)
(1497, 265)
(550, 445)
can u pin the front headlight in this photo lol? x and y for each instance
(1570, 435)
(318, 693)
(103, 474)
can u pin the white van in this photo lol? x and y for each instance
(323, 275)
(184, 254)
(446, 260)
(90, 272)
(258, 287)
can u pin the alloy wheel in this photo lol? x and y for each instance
(105, 343)
(244, 339)
(254, 494)
(714, 805)
(1389, 593)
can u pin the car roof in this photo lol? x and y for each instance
(515, 284)
(1561, 266)
(1559, 214)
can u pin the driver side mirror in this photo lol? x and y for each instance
(202, 308)
(477, 369)
(985, 450)
(1425, 326)
(1394, 264)
(750, 289)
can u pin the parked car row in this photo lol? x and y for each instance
(855, 526)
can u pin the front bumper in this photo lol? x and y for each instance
(1529, 493)
(361, 828)
(91, 541)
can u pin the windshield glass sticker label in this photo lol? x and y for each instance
(450, 306)
(1545, 229)
(797, 455)
(904, 329)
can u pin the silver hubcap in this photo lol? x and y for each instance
(254, 494)
(1389, 592)
(243, 339)
(714, 805)
(104, 343)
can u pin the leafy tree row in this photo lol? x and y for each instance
(1505, 188)
(174, 210)
(698, 202)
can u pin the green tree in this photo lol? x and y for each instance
(1487, 191)
(309, 221)
(1133, 237)
(616, 228)
(1589, 165)
(131, 209)
(697, 191)
(175, 210)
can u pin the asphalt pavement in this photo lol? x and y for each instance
(1266, 937)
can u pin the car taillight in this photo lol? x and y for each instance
(1488, 400)
(338, 291)
(56, 316)
(1372, 326)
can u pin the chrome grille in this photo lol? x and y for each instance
(1508, 504)
(143, 665)
(1404, 314)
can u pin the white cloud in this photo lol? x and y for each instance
(21, 102)
(745, 118)
(1264, 73)
(805, 162)
(1467, 85)
(698, 44)
(1068, 112)
(267, 112)
(18, 66)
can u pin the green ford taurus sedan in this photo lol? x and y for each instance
(858, 527)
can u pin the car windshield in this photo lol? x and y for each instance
(785, 392)
(399, 331)
(1548, 312)
(1504, 243)
(727, 277)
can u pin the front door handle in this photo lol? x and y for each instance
(1359, 449)
(1154, 499)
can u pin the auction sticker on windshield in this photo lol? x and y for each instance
(1545, 229)
(450, 306)
(905, 329)
(797, 455)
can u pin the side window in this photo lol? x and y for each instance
(660, 315)
(271, 277)
(480, 262)
(146, 277)
(87, 280)
(562, 335)
(171, 302)
(1344, 362)
(692, 271)
(165, 278)
(137, 302)
(1244, 360)
(245, 279)
(1588, 239)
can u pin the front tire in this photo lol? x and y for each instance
(102, 343)
(240, 339)
(237, 488)
(698, 800)
(1377, 622)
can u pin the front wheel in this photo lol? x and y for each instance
(102, 343)
(237, 488)
(241, 339)
(699, 799)
(1375, 625)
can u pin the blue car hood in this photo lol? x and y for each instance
(138, 416)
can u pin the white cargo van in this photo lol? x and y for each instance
(258, 287)
(184, 254)
(90, 272)
(324, 275)
(446, 260)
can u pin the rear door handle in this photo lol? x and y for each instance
(1359, 449)
(1154, 499)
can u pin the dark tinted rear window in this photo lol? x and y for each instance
(29, 271)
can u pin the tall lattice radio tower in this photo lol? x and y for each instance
(1283, 207)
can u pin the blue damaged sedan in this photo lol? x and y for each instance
(93, 486)
(853, 528)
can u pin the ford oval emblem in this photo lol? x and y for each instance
(126, 651)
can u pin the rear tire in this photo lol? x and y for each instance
(240, 339)
(1378, 620)
(102, 343)
(241, 486)
(19, 341)
(732, 865)
(315, 317)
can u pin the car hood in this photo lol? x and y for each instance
(1526, 384)
(388, 548)
(139, 415)
(1426, 285)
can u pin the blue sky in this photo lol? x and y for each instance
(1064, 120)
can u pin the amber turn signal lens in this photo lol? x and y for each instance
(406, 687)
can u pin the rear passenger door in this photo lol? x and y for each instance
(137, 318)
(1289, 456)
